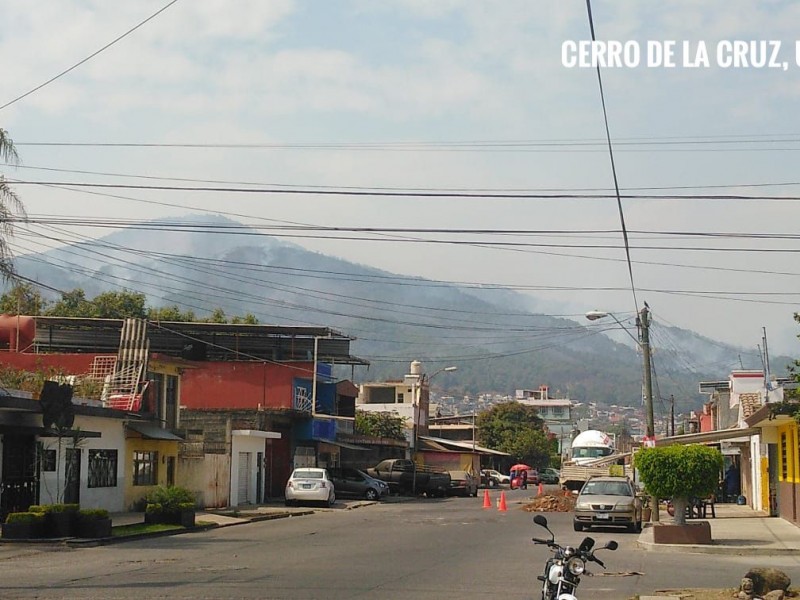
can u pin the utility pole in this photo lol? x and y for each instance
(672, 412)
(644, 335)
(644, 342)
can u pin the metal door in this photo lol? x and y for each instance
(245, 469)
(72, 476)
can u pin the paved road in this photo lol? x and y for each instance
(425, 550)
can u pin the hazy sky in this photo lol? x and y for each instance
(438, 94)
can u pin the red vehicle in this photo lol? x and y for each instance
(516, 475)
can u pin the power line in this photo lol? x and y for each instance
(88, 58)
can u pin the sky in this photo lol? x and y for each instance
(437, 96)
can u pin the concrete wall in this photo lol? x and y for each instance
(112, 438)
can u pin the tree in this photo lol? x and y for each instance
(679, 472)
(72, 304)
(9, 203)
(22, 299)
(380, 424)
(170, 313)
(517, 429)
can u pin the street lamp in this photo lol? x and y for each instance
(643, 322)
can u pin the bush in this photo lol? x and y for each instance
(92, 514)
(169, 499)
(54, 508)
(25, 517)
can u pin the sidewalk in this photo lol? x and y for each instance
(735, 530)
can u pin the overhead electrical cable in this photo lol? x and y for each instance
(88, 58)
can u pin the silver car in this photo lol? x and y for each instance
(606, 502)
(310, 484)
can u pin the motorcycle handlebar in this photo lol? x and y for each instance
(540, 541)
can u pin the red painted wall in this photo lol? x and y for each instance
(241, 385)
(71, 364)
(204, 385)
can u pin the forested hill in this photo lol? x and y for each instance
(200, 263)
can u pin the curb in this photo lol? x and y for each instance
(713, 549)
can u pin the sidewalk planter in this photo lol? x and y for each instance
(93, 523)
(172, 505)
(183, 517)
(23, 526)
(59, 519)
(691, 533)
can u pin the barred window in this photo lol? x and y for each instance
(784, 458)
(144, 468)
(102, 468)
(48, 460)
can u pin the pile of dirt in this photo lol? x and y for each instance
(550, 503)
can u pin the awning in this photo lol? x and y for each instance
(709, 436)
(267, 435)
(462, 446)
(23, 430)
(152, 432)
(343, 445)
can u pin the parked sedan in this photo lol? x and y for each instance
(463, 483)
(352, 482)
(310, 484)
(549, 475)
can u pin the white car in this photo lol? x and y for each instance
(498, 476)
(310, 484)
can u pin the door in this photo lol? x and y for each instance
(772, 478)
(72, 476)
(19, 486)
(245, 468)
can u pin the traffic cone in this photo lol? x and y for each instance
(541, 489)
(487, 503)
(502, 504)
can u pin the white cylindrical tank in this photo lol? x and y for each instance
(591, 445)
(416, 367)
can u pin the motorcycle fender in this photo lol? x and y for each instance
(567, 597)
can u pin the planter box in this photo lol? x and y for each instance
(691, 533)
(185, 518)
(93, 528)
(22, 531)
(60, 524)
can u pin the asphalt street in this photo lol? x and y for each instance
(426, 550)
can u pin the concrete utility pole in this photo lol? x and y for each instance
(644, 341)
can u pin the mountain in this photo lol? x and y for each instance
(495, 337)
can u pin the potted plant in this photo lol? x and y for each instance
(23, 525)
(59, 519)
(174, 505)
(93, 523)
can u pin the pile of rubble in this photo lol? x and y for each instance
(549, 503)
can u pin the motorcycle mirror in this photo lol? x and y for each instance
(612, 545)
(540, 520)
(586, 545)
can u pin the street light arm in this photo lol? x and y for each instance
(594, 315)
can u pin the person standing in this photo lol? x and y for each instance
(732, 482)
(524, 479)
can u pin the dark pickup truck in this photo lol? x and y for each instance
(406, 477)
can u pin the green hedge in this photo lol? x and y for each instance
(25, 517)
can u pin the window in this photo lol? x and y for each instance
(400, 398)
(102, 468)
(144, 468)
(48, 460)
(784, 458)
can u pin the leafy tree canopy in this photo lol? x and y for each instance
(23, 299)
(380, 424)
(517, 429)
(679, 472)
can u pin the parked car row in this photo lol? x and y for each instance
(321, 486)
(312, 484)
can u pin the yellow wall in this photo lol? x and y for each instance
(164, 448)
(788, 455)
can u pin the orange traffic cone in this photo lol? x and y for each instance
(502, 504)
(487, 503)
(541, 489)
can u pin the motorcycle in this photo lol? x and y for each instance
(563, 570)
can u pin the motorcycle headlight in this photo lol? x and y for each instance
(576, 566)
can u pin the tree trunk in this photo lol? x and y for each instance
(680, 505)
